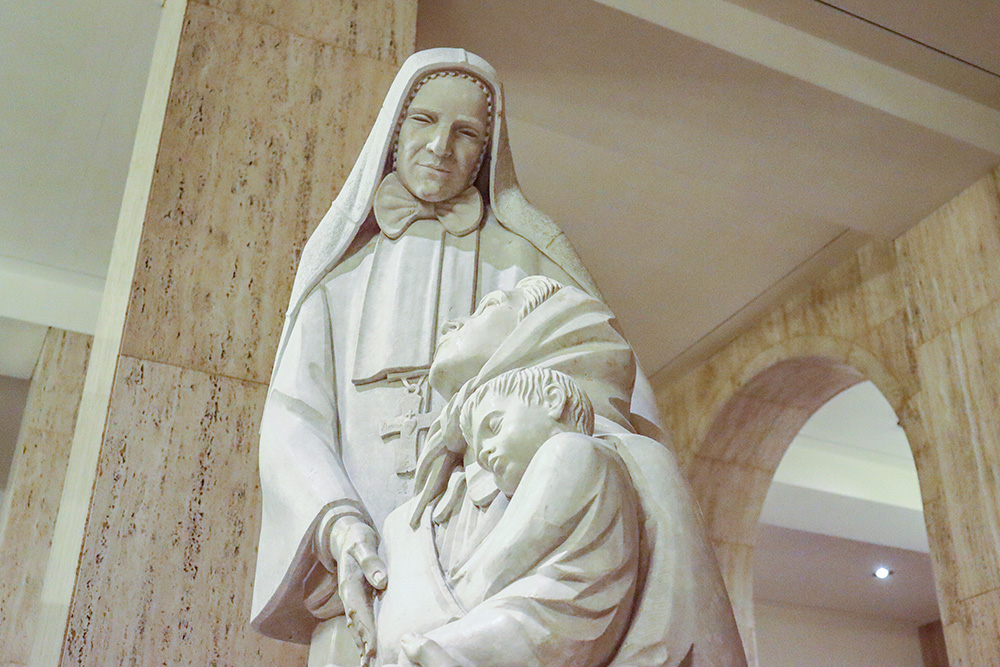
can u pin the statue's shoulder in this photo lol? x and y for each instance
(577, 458)
(517, 216)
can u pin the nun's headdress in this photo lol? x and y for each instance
(496, 181)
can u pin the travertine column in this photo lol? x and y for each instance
(34, 486)
(269, 103)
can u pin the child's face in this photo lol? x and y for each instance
(506, 433)
(465, 346)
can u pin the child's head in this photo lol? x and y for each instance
(507, 419)
(465, 345)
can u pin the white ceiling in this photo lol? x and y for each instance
(966, 30)
(705, 158)
(723, 180)
(855, 25)
(73, 77)
(850, 473)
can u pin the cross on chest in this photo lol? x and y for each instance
(408, 431)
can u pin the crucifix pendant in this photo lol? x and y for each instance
(407, 431)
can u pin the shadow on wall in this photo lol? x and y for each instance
(13, 395)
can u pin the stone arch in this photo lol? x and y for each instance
(749, 426)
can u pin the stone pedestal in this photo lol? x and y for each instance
(265, 105)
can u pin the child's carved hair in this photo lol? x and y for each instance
(530, 386)
(535, 290)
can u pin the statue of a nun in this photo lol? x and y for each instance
(430, 219)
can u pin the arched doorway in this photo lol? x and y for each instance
(841, 570)
(745, 437)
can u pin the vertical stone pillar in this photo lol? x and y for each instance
(34, 486)
(269, 103)
(951, 272)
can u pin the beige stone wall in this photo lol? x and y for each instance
(35, 484)
(269, 104)
(920, 317)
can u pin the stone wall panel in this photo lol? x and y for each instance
(918, 316)
(737, 566)
(949, 262)
(261, 128)
(167, 567)
(723, 512)
(379, 29)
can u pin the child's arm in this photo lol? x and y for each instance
(419, 651)
(424, 652)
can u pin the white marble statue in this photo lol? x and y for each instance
(544, 531)
(430, 219)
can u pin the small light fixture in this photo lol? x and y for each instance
(882, 572)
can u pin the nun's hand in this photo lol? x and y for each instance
(360, 572)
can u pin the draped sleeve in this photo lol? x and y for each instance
(298, 439)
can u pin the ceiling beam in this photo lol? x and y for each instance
(49, 296)
(817, 511)
(851, 471)
(801, 55)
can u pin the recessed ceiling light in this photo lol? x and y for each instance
(882, 572)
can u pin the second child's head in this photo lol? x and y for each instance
(465, 345)
(507, 419)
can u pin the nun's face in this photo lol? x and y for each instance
(442, 137)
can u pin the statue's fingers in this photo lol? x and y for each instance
(367, 652)
(364, 624)
(450, 500)
(433, 449)
(355, 598)
(372, 566)
(431, 489)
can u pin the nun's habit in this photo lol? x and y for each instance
(358, 336)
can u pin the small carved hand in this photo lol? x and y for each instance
(441, 454)
(423, 652)
(359, 570)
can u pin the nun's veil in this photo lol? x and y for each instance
(496, 180)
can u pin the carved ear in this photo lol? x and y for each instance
(555, 401)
